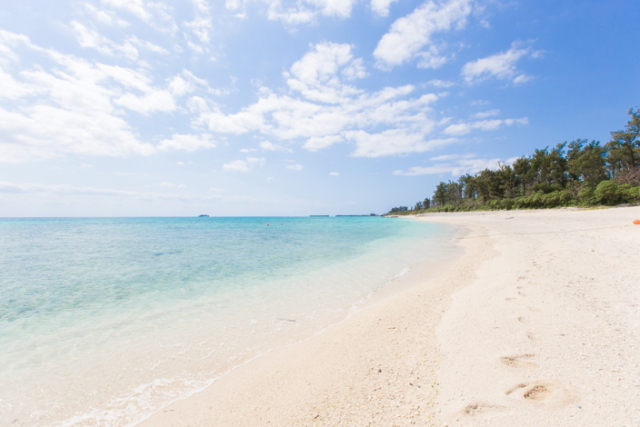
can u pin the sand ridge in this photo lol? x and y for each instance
(536, 325)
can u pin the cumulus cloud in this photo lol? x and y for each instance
(334, 173)
(320, 142)
(500, 66)
(317, 76)
(74, 108)
(456, 166)
(243, 165)
(324, 108)
(150, 102)
(304, 11)
(485, 125)
(381, 7)
(411, 37)
(295, 167)
(393, 141)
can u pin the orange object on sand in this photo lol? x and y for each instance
(636, 221)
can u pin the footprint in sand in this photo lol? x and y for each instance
(520, 361)
(516, 388)
(537, 392)
(540, 392)
(476, 409)
(523, 319)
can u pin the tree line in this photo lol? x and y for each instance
(576, 173)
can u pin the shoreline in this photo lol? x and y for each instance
(494, 339)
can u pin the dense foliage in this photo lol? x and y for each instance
(576, 173)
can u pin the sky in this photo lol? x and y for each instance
(278, 107)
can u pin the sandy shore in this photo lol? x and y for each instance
(538, 324)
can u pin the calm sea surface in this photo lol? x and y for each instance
(105, 321)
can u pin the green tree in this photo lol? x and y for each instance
(586, 162)
(440, 195)
(624, 147)
(524, 174)
(550, 169)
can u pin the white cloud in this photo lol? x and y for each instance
(155, 14)
(460, 166)
(200, 27)
(143, 44)
(164, 100)
(440, 83)
(485, 114)
(106, 16)
(270, 146)
(295, 167)
(317, 75)
(197, 104)
(320, 142)
(187, 143)
(323, 109)
(304, 11)
(392, 142)
(243, 165)
(90, 38)
(73, 108)
(486, 125)
(501, 66)
(381, 7)
(334, 173)
(150, 102)
(409, 35)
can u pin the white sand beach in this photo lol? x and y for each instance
(538, 324)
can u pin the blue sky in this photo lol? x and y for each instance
(276, 107)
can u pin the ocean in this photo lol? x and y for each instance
(104, 321)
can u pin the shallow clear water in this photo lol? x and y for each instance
(104, 321)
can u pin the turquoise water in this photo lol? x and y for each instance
(104, 321)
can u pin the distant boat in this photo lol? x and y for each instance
(203, 216)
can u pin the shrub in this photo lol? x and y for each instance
(507, 203)
(628, 194)
(606, 193)
(586, 196)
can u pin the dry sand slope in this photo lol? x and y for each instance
(536, 325)
(549, 333)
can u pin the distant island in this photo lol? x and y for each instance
(203, 216)
(576, 173)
